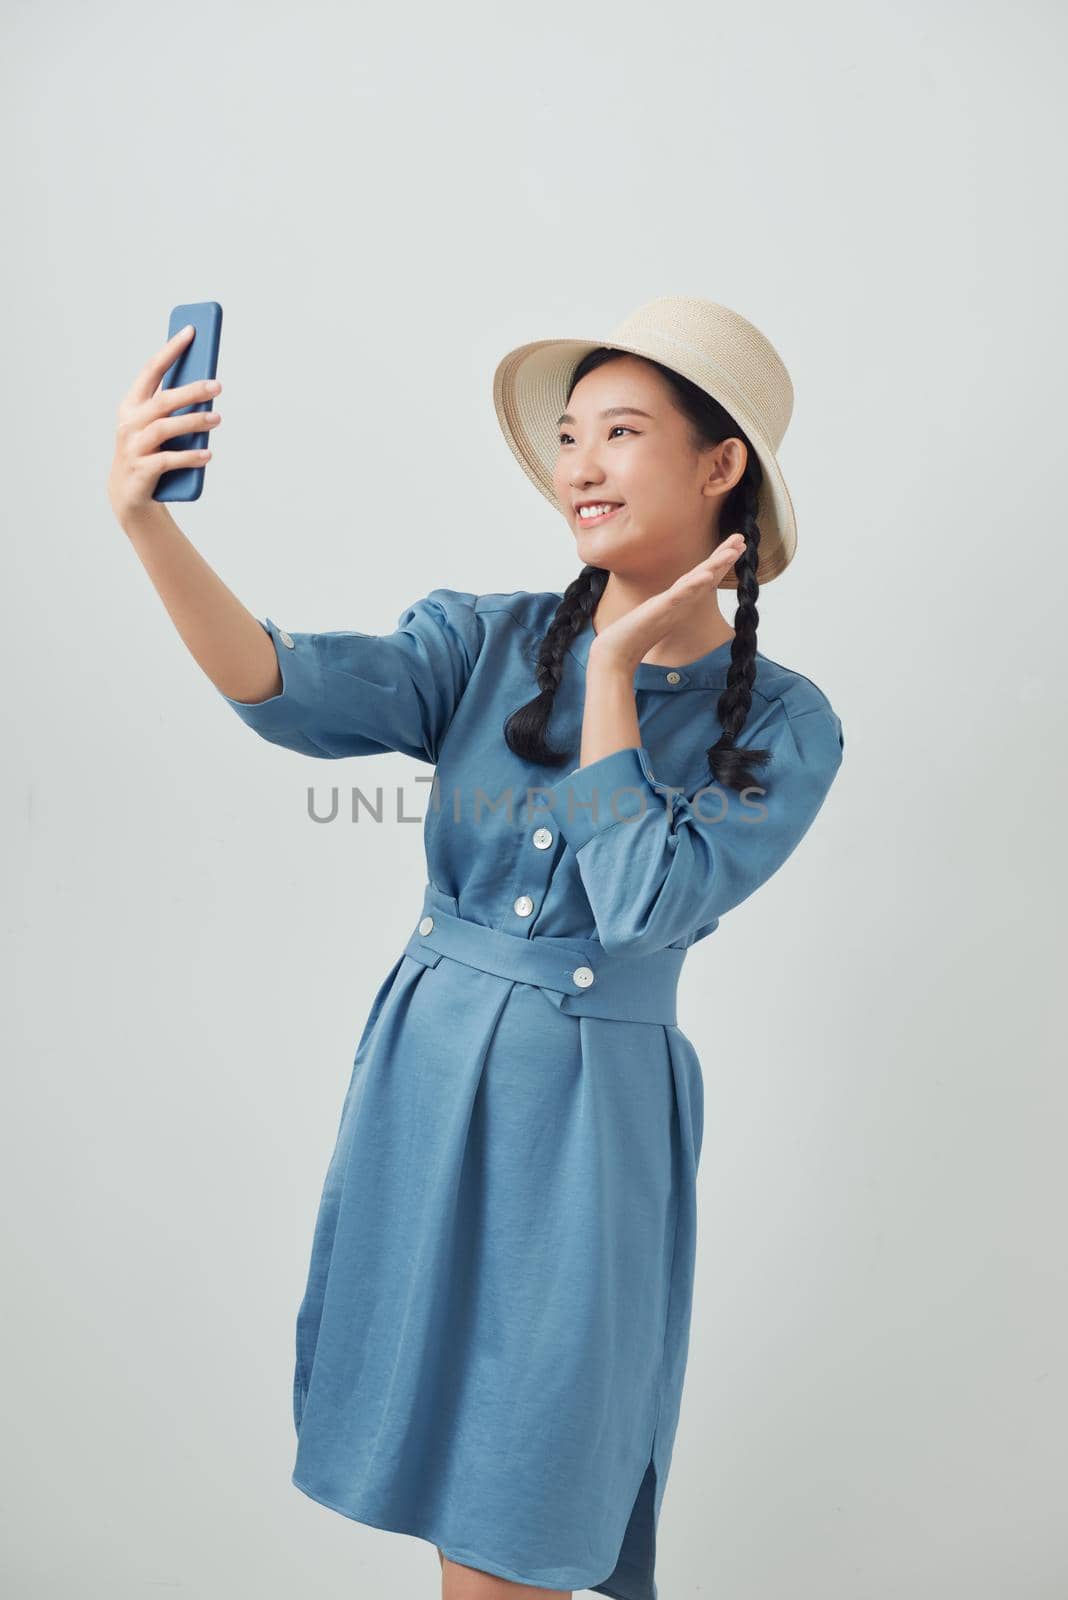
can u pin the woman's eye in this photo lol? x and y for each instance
(619, 428)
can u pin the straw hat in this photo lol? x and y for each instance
(712, 346)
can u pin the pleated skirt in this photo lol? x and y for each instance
(492, 1341)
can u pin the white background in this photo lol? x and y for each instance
(384, 203)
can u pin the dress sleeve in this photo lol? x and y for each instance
(657, 865)
(362, 694)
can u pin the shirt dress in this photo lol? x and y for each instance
(491, 1345)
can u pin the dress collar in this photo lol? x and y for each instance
(707, 672)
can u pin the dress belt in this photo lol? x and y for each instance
(577, 975)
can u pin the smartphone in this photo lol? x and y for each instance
(199, 359)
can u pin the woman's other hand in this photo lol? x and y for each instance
(145, 420)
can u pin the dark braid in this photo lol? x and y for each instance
(728, 765)
(526, 729)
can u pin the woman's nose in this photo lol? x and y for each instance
(585, 473)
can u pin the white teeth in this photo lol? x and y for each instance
(596, 511)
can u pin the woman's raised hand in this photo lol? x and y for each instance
(145, 419)
(627, 640)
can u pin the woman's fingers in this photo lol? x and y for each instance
(146, 421)
(187, 394)
(146, 399)
(726, 554)
(172, 427)
(713, 567)
(148, 469)
(154, 370)
(160, 406)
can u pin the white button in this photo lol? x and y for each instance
(583, 977)
(426, 925)
(542, 839)
(286, 640)
(673, 677)
(523, 906)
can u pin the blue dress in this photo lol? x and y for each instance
(491, 1346)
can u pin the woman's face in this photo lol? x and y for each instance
(642, 456)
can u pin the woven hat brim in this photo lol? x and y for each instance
(529, 393)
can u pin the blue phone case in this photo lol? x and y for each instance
(199, 359)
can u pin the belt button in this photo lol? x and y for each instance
(426, 925)
(523, 906)
(542, 839)
(583, 976)
(672, 677)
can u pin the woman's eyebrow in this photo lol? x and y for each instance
(613, 411)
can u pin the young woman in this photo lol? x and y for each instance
(491, 1346)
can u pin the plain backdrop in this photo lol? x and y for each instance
(385, 202)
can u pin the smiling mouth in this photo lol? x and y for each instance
(586, 521)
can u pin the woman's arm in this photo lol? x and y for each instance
(658, 864)
(333, 694)
(228, 642)
(226, 639)
(610, 712)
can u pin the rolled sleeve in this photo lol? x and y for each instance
(615, 790)
(346, 693)
(658, 865)
(301, 691)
